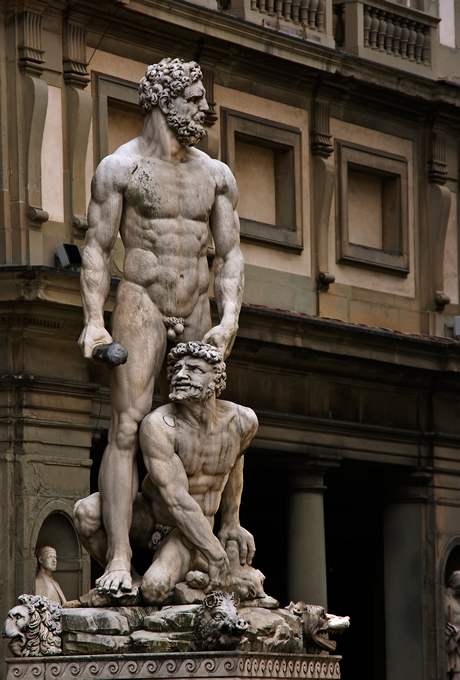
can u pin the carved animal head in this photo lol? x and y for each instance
(34, 627)
(316, 623)
(216, 625)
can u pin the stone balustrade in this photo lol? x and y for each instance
(309, 13)
(384, 30)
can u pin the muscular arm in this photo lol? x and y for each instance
(231, 496)
(228, 264)
(104, 214)
(167, 473)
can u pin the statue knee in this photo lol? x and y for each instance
(87, 515)
(126, 435)
(155, 590)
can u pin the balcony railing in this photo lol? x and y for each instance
(308, 13)
(307, 19)
(384, 31)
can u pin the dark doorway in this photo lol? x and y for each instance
(353, 505)
(264, 513)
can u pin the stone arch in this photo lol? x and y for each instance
(450, 560)
(54, 526)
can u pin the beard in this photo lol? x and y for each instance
(190, 392)
(189, 132)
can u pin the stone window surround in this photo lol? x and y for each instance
(286, 142)
(393, 257)
(123, 94)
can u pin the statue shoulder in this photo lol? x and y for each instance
(113, 172)
(161, 420)
(226, 182)
(243, 415)
(221, 173)
(248, 419)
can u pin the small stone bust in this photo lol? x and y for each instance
(44, 582)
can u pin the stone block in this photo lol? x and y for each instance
(263, 621)
(136, 615)
(171, 619)
(93, 620)
(146, 641)
(183, 594)
(86, 643)
(272, 631)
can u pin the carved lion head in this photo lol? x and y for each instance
(34, 627)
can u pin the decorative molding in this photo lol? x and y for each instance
(437, 165)
(35, 105)
(178, 665)
(320, 137)
(79, 111)
(323, 186)
(74, 54)
(440, 202)
(30, 50)
(37, 215)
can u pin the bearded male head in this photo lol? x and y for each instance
(195, 372)
(171, 85)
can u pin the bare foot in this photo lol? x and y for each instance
(116, 578)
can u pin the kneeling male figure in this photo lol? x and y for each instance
(193, 450)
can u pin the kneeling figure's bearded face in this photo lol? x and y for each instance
(192, 380)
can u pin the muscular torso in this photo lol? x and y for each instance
(207, 458)
(164, 228)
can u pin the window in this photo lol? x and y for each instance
(119, 117)
(265, 158)
(372, 221)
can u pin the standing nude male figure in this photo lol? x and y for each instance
(161, 194)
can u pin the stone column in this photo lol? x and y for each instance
(307, 551)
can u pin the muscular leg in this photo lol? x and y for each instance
(138, 326)
(199, 321)
(171, 563)
(87, 515)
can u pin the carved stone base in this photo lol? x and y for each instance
(179, 666)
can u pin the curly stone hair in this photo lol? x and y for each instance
(167, 80)
(42, 636)
(199, 350)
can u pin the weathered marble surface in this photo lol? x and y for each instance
(164, 197)
(216, 624)
(199, 665)
(193, 451)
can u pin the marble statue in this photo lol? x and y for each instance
(44, 582)
(217, 625)
(161, 195)
(193, 450)
(34, 627)
(453, 625)
(317, 625)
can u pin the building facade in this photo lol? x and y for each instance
(340, 120)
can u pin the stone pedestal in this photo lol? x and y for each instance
(177, 666)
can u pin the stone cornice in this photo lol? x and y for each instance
(217, 30)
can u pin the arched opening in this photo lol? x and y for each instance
(58, 532)
(453, 563)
